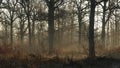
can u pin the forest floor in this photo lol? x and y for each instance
(109, 59)
(100, 62)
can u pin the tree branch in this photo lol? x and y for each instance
(58, 3)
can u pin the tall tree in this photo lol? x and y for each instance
(79, 8)
(26, 5)
(91, 29)
(52, 5)
(22, 19)
(11, 9)
(80, 14)
(104, 22)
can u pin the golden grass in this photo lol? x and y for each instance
(72, 51)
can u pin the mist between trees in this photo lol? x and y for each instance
(66, 27)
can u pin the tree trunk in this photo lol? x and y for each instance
(116, 29)
(21, 32)
(80, 24)
(33, 29)
(51, 27)
(79, 8)
(11, 34)
(103, 24)
(91, 30)
(29, 29)
(29, 25)
(72, 29)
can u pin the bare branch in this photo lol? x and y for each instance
(58, 3)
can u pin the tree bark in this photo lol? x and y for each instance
(29, 29)
(51, 26)
(11, 34)
(91, 30)
(103, 24)
(29, 25)
(80, 24)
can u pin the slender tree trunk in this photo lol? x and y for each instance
(80, 24)
(29, 29)
(6, 35)
(33, 30)
(108, 34)
(21, 32)
(91, 30)
(51, 27)
(72, 29)
(29, 25)
(11, 34)
(103, 24)
(116, 28)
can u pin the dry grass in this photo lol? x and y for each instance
(73, 51)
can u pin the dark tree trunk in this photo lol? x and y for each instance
(11, 34)
(6, 34)
(29, 29)
(51, 26)
(79, 8)
(91, 30)
(80, 24)
(29, 25)
(52, 4)
(103, 24)
(116, 34)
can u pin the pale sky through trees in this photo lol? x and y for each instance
(98, 18)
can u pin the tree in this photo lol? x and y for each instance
(91, 29)
(104, 22)
(26, 5)
(22, 19)
(35, 12)
(52, 5)
(80, 14)
(11, 9)
(5, 24)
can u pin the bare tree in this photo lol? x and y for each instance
(104, 22)
(5, 24)
(22, 19)
(11, 9)
(52, 5)
(81, 14)
(27, 8)
(91, 29)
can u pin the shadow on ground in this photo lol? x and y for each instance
(99, 62)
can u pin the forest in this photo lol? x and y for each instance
(59, 34)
